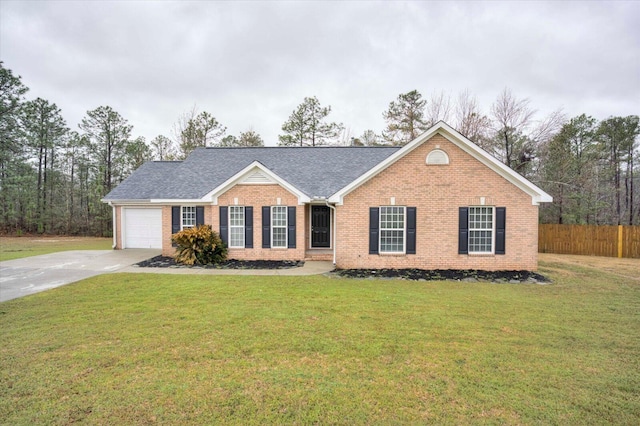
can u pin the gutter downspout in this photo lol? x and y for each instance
(335, 235)
(113, 225)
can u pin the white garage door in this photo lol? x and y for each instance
(142, 228)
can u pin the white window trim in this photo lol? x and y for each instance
(404, 231)
(195, 217)
(286, 227)
(493, 231)
(244, 242)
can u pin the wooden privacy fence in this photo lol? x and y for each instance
(591, 240)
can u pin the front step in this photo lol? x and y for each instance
(320, 255)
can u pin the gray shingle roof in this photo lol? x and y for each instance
(319, 171)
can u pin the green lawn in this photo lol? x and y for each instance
(171, 349)
(19, 247)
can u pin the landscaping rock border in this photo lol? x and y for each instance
(506, 277)
(169, 262)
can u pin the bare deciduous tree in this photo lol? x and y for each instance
(163, 148)
(439, 108)
(194, 129)
(516, 134)
(470, 120)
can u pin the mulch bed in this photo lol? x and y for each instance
(169, 262)
(510, 277)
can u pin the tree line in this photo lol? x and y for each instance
(52, 178)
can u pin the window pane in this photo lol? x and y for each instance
(279, 237)
(279, 226)
(236, 238)
(392, 229)
(188, 216)
(236, 226)
(391, 241)
(279, 216)
(236, 216)
(480, 229)
(392, 217)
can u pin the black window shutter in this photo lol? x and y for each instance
(501, 219)
(374, 224)
(291, 227)
(224, 224)
(411, 230)
(175, 222)
(266, 227)
(199, 215)
(248, 227)
(175, 219)
(463, 230)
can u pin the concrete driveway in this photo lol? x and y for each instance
(29, 275)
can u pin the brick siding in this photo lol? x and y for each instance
(255, 196)
(437, 191)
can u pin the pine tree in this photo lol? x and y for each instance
(405, 118)
(306, 126)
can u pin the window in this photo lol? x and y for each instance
(236, 226)
(481, 229)
(392, 225)
(188, 217)
(279, 226)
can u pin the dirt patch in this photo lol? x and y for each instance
(623, 267)
(511, 277)
(169, 262)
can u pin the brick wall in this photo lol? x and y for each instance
(437, 192)
(255, 196)
(167, 249)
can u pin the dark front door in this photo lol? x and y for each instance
(320, 226)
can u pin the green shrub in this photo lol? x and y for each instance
(200, 245)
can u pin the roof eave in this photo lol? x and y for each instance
(161, 201)
(125, 201)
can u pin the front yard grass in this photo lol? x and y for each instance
(181, 349)
(19, 247)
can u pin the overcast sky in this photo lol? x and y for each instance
(251, 63)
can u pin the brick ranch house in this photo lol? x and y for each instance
(439, 202)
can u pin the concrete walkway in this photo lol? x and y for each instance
(310, 267)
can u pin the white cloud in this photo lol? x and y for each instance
(251, 63)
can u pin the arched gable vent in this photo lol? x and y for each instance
(437, 157)
(257, 177)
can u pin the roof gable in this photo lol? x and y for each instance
(254, 171)
(537, 194)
